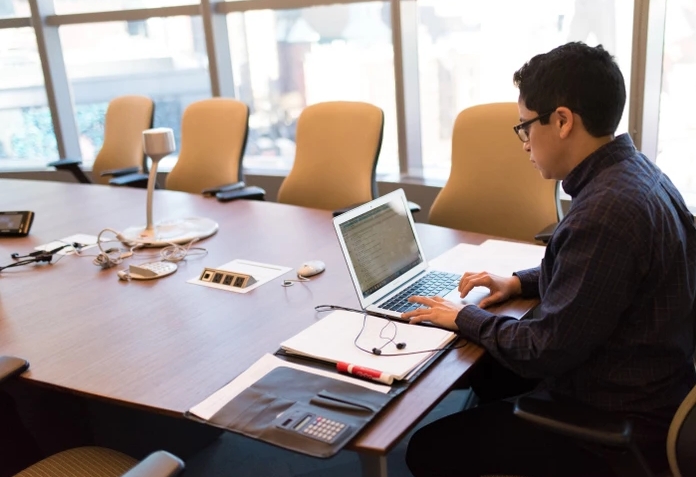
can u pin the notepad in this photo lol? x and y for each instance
(333, 339)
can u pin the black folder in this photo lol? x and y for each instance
(271, 408)
(304, 412)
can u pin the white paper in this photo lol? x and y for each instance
(494, 256)
(262, 272)
(208, 407)
(333, 339)
(87, 241)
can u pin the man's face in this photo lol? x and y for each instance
(542, 145)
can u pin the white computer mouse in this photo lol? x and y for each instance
(311, 268)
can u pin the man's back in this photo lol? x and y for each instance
(633, 241)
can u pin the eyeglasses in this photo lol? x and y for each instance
(522, 129)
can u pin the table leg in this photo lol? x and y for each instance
(373, 465)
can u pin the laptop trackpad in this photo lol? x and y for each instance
(474, 297)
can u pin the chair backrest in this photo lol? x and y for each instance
(681, 439)
(338, 144)
(125, 120)
(492, 187)
(213, 138)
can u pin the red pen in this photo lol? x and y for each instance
(362, 372)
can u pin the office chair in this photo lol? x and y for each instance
(337, 147)
(612, 436)
(492, 187)
(122, 151)
(91, 461)
(213, 138)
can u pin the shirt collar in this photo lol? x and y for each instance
(606, 156)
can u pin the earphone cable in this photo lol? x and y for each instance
(324, 308)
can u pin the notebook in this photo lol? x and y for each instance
(386, 261)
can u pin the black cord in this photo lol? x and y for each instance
(37, 257)
(364, 313)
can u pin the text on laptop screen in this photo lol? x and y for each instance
(381, 246)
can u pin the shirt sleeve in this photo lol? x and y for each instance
(594, 279)
(530, 282)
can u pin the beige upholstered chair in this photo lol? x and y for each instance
(102, 462)
(122, 151)
(90, 461)
(213, 138)
(492, 187)
(612, 437)
(338, 144)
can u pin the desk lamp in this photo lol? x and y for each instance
(157, 144)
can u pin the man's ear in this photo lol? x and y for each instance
(565, 121)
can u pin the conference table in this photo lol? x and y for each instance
(165, 345)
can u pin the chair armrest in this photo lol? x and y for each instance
(413, 207)
(248, 193)
(157, 464)
(72, 165)
(576, 420)
(11, 366)
(224, 188)
(130, 180)
(65, 163)
(545, 235)
(120, 172)
(343, 210)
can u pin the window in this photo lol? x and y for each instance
(285, 60)
(468, 52)
(86, 6)
(163, 58)
(676, 154)
(26, 132)
(14, 8)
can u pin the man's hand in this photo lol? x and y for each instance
(502, 288)
(440, 312)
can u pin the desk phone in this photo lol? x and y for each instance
(312, 425)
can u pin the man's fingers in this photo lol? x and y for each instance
(423, 300)
(492, 299)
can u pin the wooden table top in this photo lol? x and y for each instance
(165, 345)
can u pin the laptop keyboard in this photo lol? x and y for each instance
(432, 284)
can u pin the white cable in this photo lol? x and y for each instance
(176, 253)
(113, 256)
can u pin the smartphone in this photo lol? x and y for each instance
(16, 224)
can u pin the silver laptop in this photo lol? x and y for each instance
(385, 258)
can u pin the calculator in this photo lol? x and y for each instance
(313, 425)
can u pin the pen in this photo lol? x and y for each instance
(362, 372)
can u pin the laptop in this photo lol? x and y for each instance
(386, 261)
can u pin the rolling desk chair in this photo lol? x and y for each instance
(122, 151)
(91, 461)
(338, 144)
(492, 187)
(213, 138)
(612, 437)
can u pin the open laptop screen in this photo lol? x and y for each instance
(381, 245)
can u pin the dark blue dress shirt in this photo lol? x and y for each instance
(615, 326)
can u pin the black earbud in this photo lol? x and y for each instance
(44, 255)
(16, 255)
(378, 351)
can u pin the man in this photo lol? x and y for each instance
(615, 326)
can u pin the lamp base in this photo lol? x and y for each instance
(172, 231)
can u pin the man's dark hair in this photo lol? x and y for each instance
(582, 78)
